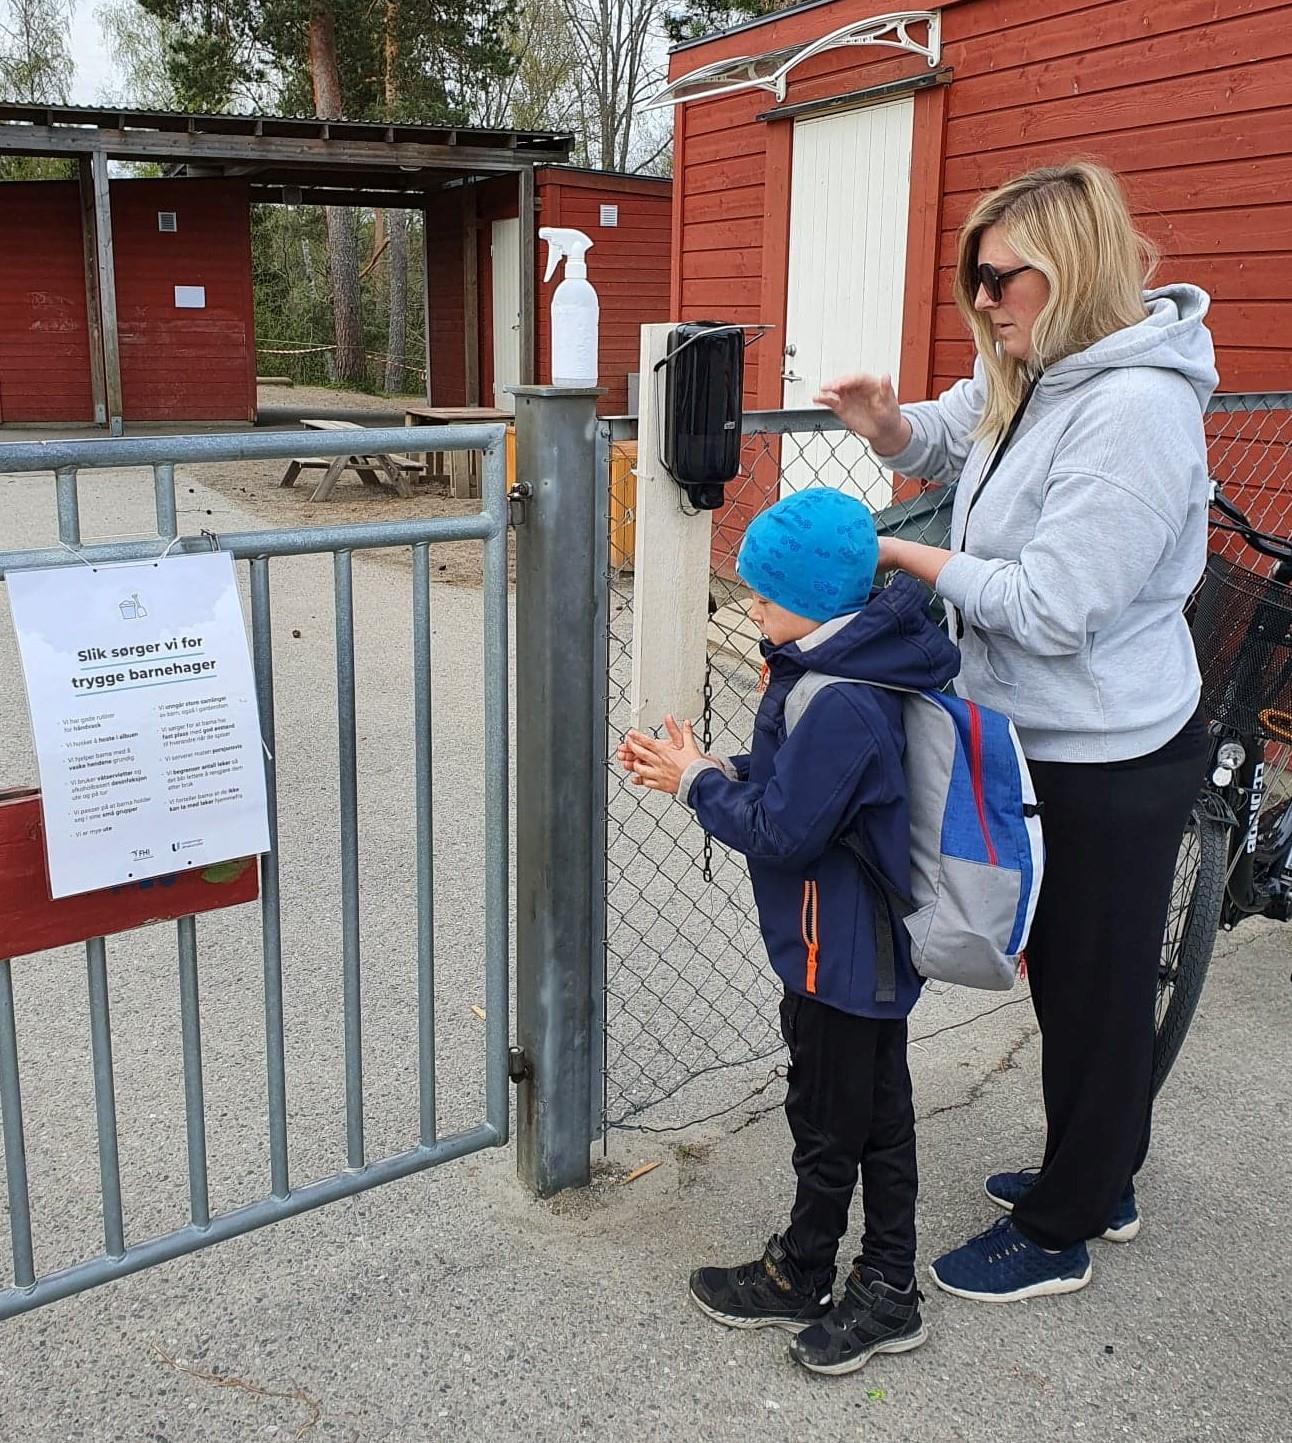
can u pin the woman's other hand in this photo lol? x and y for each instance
(867, 405)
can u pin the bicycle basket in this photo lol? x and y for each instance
(1242, 630)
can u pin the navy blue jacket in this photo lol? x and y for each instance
(840, 768)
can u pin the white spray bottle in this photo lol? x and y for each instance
(575, 309)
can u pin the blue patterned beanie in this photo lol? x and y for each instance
(814, 553)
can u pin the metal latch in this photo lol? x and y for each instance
(518, 1068)
(516, 498)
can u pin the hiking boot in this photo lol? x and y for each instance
(871, 1317)
(1006, 1189)
(1004, 1265)
(768, 1293)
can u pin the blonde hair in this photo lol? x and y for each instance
(1072, 224)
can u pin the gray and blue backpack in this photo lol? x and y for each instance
(976, 850)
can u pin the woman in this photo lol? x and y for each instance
(1078, 532)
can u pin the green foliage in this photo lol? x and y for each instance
(139, 44)
(35, 67)
(693, 19)
(225, 52)
(35, 53)
(294, 302)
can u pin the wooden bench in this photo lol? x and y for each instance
(371, 468)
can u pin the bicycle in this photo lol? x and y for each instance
(1235, 860)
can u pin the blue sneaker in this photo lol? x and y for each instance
(1002, 1265)
(1007, 1188)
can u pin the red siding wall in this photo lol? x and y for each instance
(628, 265)
(44, 335)
(176, 365)
(1191, 100)
(185, 365)
(444, 300)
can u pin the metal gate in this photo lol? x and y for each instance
(28, 1286)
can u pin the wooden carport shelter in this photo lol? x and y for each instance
(283, 160)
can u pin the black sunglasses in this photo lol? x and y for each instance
(993, 281)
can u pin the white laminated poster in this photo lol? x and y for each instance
(143, 709)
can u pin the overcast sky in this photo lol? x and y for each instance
(92, 65)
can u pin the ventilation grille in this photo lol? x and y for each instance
(609, 215)
(167, 221)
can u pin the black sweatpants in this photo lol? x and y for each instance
(1112, 833)
(849, 1105)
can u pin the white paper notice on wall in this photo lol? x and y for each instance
(143, 709)
(190, 298)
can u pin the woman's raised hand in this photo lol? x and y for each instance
(868, 406)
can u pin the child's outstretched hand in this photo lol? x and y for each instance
(658, 763)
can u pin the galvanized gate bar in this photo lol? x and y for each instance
(194, 1099)
(270, 896)
(423, 726)
(489, 526)
(69, 512)
(164, 491)
(126, 451)
(348, 755)
(497, 899)
(105, 1098)
(15, 1147)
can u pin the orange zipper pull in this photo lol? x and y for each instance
(810, 934)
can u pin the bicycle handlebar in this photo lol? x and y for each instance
(1274, 547)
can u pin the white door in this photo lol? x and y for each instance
(849, 195)
(505, 265)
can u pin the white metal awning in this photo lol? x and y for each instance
(770, 71)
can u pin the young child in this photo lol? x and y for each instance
(810, 562)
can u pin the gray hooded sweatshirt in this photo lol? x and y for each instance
(1072, 574)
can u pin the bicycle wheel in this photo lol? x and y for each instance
(1197, 896)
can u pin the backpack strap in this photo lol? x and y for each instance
(891, 907)
(811, 683)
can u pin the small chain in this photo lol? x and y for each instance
(706, 737)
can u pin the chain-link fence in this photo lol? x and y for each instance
(1249, 444)
(690, 1008)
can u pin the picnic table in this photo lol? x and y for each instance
(464, 466)
(372, 468)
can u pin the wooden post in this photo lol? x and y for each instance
(426, 289)
(670, 570)
(471, 290)
(98, 389)
(107, 285)
(528, 280)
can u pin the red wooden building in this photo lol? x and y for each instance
(820, 185)
(131, 300)
(182, 252)
(629, 220)
(826, 156)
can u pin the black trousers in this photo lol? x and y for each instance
(849, 1106)
(1112, 833)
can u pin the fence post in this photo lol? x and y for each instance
(559, 753)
